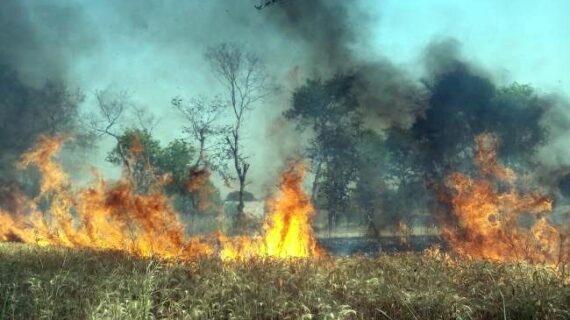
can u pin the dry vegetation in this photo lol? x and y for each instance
(51, 283)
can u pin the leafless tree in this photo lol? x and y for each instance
(201, 114)
(243, 75)
(111, 109)
(146, 121)
(114, 109)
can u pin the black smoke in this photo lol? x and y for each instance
(38, 39)
(34, 97)
(333, 35)
(465, 101)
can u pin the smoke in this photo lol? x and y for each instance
(37, 42)
(325, 29)
(336, 37)
(466, 101)
(154, 49)
(39, 39)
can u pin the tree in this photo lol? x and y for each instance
(406, 190)
(111, 108)
(371, 180)
(169, 167)
(330, 109)
(142, 153)
(243, 76)
(193, 192)
(192, 186)
(176, 160)
(463, 105)
(519, 111)
(202, 115)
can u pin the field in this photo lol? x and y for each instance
(54, 283)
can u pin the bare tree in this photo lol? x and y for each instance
(111, 108)
(134, 148)
(201, 115)
(146, 121)
(243, 75)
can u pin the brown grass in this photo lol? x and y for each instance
(55, 283)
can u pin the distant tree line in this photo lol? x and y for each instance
(359, 173)
(382, 177)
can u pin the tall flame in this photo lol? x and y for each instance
(287, 229)
(487, 219)
(114, 216)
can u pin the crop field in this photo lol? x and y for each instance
(57, 283)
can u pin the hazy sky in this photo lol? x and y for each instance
(527, 41)
(154, 49)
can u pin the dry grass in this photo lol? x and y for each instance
(49, 283)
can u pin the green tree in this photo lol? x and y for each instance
(370, 183)
(175, 160)
(192, 191)
(141, 151)
(462, 105)
(192, 188)
(330, 110)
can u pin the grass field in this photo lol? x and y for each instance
(53, 283)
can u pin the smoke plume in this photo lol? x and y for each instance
(335, 36)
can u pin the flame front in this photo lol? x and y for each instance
(115, 217)
(487, 220)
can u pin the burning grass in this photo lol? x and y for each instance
(114, 216)
(107, 252)
(64, 283)
(485, 216)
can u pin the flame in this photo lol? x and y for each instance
(115, 217)
(199, 185)
(487, 219)
(287, 228)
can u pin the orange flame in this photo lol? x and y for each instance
(198, 184)
(115, 217)
(488, 220)
(287, 229)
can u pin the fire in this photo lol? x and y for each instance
(287, 229)
(487, 211)
(115, 217)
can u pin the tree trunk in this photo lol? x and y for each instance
(371, 223)
(125, 161)
(241, 205)
(331, 221)
(315, 188)
(200, 159)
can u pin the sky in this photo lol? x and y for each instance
(525, 41)
(154, 50)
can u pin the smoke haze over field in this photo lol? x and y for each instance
(154, 49)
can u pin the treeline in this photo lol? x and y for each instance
(384, 177)
(360, 172)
